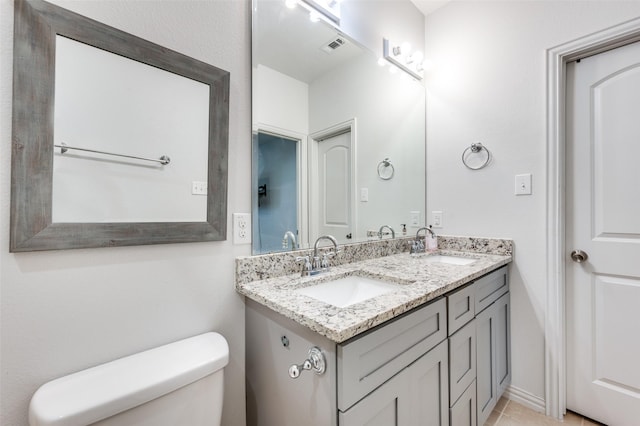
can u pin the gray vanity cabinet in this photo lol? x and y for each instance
(445, 363)
(493, 347)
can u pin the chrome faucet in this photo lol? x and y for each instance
(425, 228)
(418, 246)
(316, 265)
(393, 234)
(289, 236)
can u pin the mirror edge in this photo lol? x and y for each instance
(36, 24)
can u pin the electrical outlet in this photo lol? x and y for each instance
(198, 188)
(241, 228)
(436, 216)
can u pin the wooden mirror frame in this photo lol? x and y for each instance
(36, 25)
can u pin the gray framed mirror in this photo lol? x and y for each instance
(49, 209)
(325, 113)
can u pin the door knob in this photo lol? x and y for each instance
(579, 256)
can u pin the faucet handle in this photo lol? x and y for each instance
(306, 265)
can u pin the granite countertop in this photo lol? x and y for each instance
(418, 280)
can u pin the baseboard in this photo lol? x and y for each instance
(525, 398)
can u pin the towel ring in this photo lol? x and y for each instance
(476, 148)
(385, 169)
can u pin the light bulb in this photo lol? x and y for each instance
(291, 3)
(314, 16)
(406, 48)
(381, 62)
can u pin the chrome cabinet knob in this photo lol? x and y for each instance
(579, 256)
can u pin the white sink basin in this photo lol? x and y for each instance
(450, 260)
(347, 291)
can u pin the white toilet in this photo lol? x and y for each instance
(177, 384)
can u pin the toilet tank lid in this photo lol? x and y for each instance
(105, 390)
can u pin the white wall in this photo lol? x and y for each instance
(488, 84)
(63, 311)
(280, 101)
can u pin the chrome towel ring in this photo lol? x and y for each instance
(385, 169)
(476, 148)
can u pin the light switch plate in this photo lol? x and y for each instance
(436, 216)
(414, 217)
(364, 195)
(523, 184)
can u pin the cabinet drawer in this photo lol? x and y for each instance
(462, 361)
(368, 361)
(463, 413)
(461, 307)
(490, 287)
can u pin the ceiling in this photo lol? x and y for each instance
(428, 6)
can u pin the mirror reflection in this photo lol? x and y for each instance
(328, 122)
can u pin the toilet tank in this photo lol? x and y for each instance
(179, 383)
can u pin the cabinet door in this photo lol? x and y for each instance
(486, 383)
(429, 388)
(462, 360)
(503, 343)
(385, 406)
(493, 355)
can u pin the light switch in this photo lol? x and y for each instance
(523, 184)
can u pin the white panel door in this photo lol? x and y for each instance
(603, 220)
(335, 192)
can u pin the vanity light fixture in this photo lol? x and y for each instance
(401, 56)
(329, 10)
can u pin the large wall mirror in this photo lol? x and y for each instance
(116, 140)
(338, 140)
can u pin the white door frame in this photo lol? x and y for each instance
(314, 139)
(555, 324)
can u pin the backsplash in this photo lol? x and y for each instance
(260, 267)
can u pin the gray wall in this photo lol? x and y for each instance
(64, 311)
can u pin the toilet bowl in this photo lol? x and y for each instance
(177, 384)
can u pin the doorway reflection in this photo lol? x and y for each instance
(277, 192)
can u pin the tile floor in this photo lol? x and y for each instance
(510, 413)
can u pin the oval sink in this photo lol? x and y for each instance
(449, 260)
(347, 291)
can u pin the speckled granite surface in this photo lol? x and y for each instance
(418, 281)
(252, 268)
